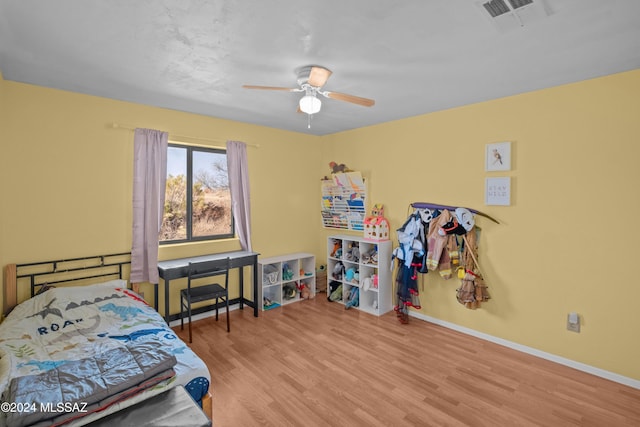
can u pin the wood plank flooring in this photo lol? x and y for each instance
(313, 363)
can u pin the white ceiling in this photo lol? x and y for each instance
(411, 56)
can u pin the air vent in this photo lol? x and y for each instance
(499, 7)
(496, 8)
(509, 14)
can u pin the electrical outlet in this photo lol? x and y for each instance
(573, 322)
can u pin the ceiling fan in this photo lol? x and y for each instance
(311, 79)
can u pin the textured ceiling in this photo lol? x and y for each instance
(411, 56)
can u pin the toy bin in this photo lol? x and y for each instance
(270, 274)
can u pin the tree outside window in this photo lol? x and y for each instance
(197, 199)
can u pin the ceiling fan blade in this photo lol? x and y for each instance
(271, 88)
(365, 102)
(318, 76)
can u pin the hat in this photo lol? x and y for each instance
(452, 227)
(465, 217)
(426, 214)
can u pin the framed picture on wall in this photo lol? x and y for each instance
(498, 156)
(497, 191)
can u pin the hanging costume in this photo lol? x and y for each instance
(472, 290)
(441, 246)
(442, 241)
(411, 256)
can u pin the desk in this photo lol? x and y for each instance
(177, 268)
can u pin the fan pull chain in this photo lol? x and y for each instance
(308, 121)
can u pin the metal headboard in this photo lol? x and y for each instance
(69, 270)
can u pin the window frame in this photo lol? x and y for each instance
(189, 215)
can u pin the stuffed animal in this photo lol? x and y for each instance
(353, 253)
(370, 256)
(337, 168)
(335, 291)
(288, 291)
(338, 270)
(337, 246)
(287, 273)
(353, 300)
(305, 292)
(350, 274)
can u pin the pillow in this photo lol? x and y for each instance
(65, 293)
(58, 297)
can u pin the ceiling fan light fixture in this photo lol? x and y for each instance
(310, 104)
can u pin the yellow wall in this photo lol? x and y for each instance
(66, 178)
(567, 243)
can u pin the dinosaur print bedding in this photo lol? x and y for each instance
(71, 355)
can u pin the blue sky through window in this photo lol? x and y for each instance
(202, 161)
(176, 161)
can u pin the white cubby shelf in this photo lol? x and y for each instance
(284, 278)
(372, 258)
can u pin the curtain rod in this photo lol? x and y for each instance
(129, 127)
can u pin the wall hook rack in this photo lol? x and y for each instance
(423, 205)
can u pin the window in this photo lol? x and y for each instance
(197, 198)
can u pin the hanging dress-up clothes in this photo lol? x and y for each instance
(472, 291)
(439, 246)
(410, 255)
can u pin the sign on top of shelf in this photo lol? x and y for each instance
(343, 201)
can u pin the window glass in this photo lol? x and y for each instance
(211, 202)
(197, 197)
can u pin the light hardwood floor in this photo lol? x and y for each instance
(313, 363)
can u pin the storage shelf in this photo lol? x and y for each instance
(373, 258)
(285, 275)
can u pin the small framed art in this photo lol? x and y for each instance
(498, 156)
(497, 191)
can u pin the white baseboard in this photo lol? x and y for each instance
(534, 352)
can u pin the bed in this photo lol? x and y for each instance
(72, 354)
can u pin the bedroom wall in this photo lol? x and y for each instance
(66, 178)
(568, 242)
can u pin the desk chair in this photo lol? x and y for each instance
(196, 292)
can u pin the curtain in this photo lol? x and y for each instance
(149, 177)
(239, 185)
